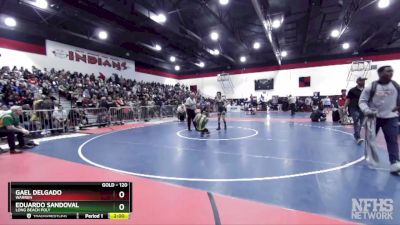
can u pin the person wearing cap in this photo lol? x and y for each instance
(9, 127)
(352, 105)
(381, 100)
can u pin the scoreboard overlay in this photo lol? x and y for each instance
(70, 200)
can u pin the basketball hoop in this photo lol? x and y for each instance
(224, 79)
(359, 69)
(360, 66)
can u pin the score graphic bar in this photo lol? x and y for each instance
(70, 200)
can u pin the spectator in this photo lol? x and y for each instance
(9, 127)
(352, 103)
(144, 107)
(19, 86)
(181, 112)
(315, 102)
(341, 105)
(103, 103)
(381, 99)
(292, 104)
(60, 118)
(327, 104)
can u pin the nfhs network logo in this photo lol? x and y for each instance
(372, 209)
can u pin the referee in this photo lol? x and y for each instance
(190, 108)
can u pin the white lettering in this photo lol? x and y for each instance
(22, 192)
(62, 205)
(356, 215)
(357, 205)
(372, 209)
(47, 192)
(92, 216)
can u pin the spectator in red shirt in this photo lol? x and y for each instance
(342, 99)
(33, 81)
(102, 77)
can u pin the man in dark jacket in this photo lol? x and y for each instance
(352, 104)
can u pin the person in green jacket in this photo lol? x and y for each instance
(9, 127)
(201, 121)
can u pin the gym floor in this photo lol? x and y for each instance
(268, 168)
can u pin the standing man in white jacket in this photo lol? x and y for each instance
(381, 100)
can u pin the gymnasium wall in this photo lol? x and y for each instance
(61, 56)
(327, 79)
(150, 77)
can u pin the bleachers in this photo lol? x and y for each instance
(64, 101)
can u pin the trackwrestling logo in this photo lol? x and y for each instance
(372, 209)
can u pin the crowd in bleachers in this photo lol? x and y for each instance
(20, 86)
(37, 90)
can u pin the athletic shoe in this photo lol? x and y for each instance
(218, 128)
(395, 168)
(360, 140)
(16, 151)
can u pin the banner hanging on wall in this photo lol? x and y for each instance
(78, 59)
(264, 84)
(304, 81)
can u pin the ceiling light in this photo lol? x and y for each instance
(177, 68)
(103, 35)
(157, 47)
(161, 18)
(223, 2)
(172, 58)
(383, 3)
(276, 23)
(335, 33)
(346, 45)
(43, 4)
(284, 53)
(256, 45)
(215, 52)
(243, 59)
(10, 22)
(214, 36)
(201, 64)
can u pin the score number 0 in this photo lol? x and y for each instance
(121, 194)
